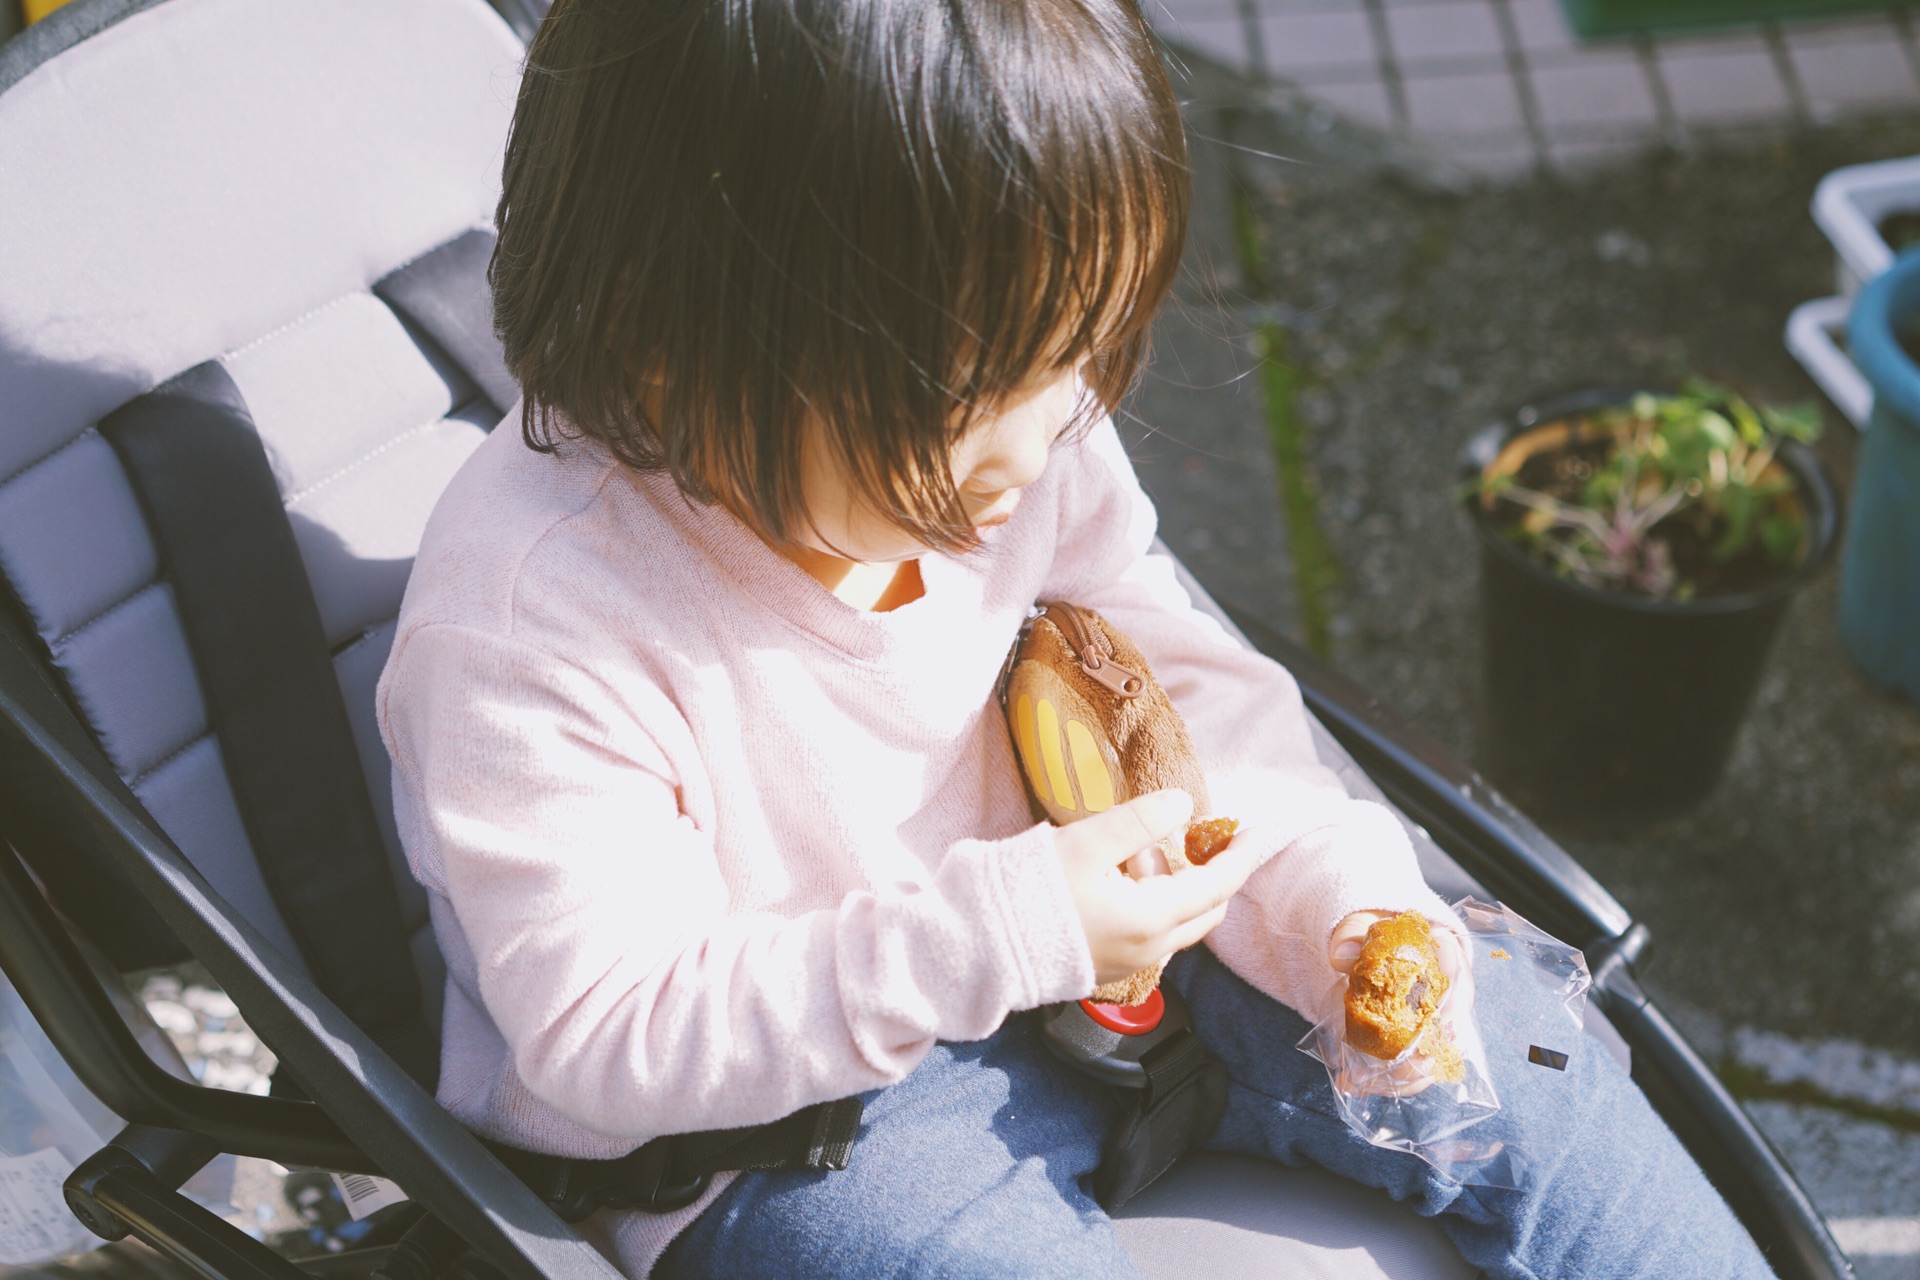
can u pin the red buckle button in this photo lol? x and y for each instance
(1129, 1019)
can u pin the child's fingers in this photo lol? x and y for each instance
(1171, 902)
(1343, 947)
(1194, 930)
(1147, 862)
(1100, 843)
(1459, 999)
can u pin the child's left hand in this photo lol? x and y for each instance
(1343, 949)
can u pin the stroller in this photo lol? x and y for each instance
(279, 216)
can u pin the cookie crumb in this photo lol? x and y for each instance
(1437, 1047)
(1207, 837)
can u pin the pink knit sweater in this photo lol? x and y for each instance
(705, 845)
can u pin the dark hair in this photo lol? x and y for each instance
(725, 220)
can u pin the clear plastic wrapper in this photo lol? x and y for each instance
(1435, 1105)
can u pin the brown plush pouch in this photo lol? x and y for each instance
(1092, 729)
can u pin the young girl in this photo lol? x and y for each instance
(819, 306)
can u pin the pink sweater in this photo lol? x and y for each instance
(705, 845)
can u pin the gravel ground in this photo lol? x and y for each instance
(300, 1213)
(1868, 1167)
(1791, 899)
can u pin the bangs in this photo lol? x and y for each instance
(1062, 202)
(861, 222)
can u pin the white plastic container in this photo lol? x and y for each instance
(1814, 332)
(1849, 205)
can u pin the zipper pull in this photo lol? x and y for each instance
(1122, 680)
(1079, 633)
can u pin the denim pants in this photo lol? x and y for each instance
(976, 1165)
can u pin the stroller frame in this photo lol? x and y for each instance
(366, 1114)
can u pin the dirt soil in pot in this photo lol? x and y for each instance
(1562, 473)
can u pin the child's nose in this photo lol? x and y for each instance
(1015, 466)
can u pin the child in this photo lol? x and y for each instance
(819, 306)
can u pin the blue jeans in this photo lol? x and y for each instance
(975, 1165)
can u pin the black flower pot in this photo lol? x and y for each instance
(1609, 709)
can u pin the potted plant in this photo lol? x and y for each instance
(1638, 551)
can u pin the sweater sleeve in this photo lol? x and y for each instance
(1328, 854)
(540, 803)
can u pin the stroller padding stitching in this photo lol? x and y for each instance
(445, 293)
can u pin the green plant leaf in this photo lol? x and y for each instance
(1781, 535)
(1751, 429)
(1796, 421)
(1737, 505)
(1486, 487)
(1599, 489)
(1685, 444)
(1718, 430)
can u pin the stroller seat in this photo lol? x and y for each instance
(291, 205)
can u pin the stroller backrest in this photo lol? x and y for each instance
(291, 202)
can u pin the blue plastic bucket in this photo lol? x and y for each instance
(1880, 575)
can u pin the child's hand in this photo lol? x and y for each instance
(1130, 923)
(1456, 1008)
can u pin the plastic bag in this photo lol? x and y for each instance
(1443, 1122)
(49, 1123)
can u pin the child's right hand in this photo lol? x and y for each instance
(1131, 923)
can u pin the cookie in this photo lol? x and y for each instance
(1395, 987)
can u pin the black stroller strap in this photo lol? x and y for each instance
(1169, 1063)
(816, 1137)
(1173, 1092)
(672, 1172)
(204, 483)
(1177, 1111)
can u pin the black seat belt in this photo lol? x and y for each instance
(190, 448)
(1173, 1090)
(672, 1172)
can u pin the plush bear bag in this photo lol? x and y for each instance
(1093, 729)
